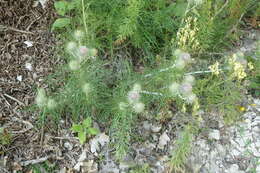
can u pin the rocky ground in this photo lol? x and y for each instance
(26, 54)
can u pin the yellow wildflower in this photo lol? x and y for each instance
(186, 36)
(250, 66)
(239, 71)
(242, 108)
(215, 68)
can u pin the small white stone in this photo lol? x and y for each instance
(68, 145)
(257, 144)
(156, 128)
(19, 78)
(247, 121)
(203, 144)
(146, 125)
(163, 140)
(235, 152)
(255, 151)
(28, 43)
(28, 66)
(256, 129)
(214, 134)
(234, 169)
(257, 168)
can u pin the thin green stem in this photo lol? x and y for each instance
(84, 16)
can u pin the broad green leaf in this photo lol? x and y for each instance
(74, 4)
(76, 128)
(87, 122)
(82, 137)
(61, 7)
(92, 131)
(60, 23)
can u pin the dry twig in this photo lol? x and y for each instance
(34, 161)
(14, 99)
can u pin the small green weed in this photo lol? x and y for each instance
(5, 137)
(84, 130)
(183, 148)
(141, 169)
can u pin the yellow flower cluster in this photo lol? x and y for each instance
(215, 68)
(250, 66)
(237, 67)
(239, 71)
(186, 36)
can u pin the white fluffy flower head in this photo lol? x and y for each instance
(185, 56)
(51, 104)
(74, 65)
(138, 107)
(83, 50)
(189, 79)
(71, 46)
(185, 88)
(174, 88)
(133, 96)
(137, 87)
(41, 98)
(180, 63)
(78, 34)
(191, 98)
(86, 88)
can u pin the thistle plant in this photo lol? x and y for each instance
(98, 87)
(43, 101)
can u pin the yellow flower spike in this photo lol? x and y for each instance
(215, 68)
(184, 108)
(250, 66)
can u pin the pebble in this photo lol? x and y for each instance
(214, 134)
(68, 145)
(234, 168)
(156, 128)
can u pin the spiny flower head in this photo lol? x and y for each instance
(185, 88)
(74, 65)
(83, 51)
(78, 34)
(86, 88)
(133, 96)
(177, 52)
(180, 63)
(138, 107)
(137, 87)
(174, 88)
(189, 79)
(185, 56)
(93, 52)
(41, 98)
(71, 46)
(51, 104)
(191, 98)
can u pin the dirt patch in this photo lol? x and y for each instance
(27, 56)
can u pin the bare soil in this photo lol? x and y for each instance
(21, 22)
